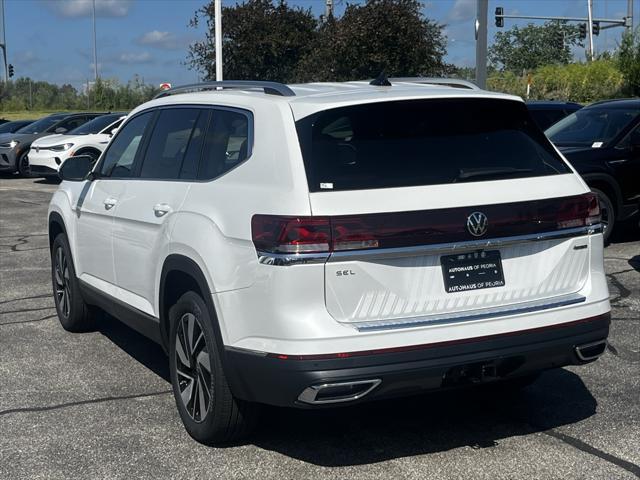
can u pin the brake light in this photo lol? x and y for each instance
(580, 211)
(288, 234)
(278, 234)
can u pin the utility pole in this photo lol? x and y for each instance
(3, 44)
(95, 51)
(30, 95)
(328, 9)
(482, 8)
(590, 27)
(218, 28)
(629, 19)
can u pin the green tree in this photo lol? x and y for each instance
(262, 40)
(628, 59)
(368, 39)
(533, 46)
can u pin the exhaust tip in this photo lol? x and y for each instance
(338, 392)
(591, 351)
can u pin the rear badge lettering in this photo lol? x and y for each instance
(344, 273)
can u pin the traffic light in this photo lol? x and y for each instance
(583, 31)
(596, 28)
(10, 70)
(499, 17)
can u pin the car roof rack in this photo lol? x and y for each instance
(270, 88)
(449, 82)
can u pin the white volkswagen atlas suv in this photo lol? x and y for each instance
(326, 244)
(47, 154)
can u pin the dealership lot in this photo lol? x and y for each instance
(98, 405)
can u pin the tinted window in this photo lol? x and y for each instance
(11, 127)
(226, 144)
(95, 125)
(119, 157)
(545, 118)
(423, 142)
(70, 123)
(41, 125)
(169, 141)
(590, 125)
(191, 159)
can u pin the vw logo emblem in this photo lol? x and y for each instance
(477, 224)
(37, 149)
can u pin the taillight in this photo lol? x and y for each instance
(280, 234)
(580, 211)
(288, 234)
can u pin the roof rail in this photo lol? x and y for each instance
(271, 88)
(449, 82)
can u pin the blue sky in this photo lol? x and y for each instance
(51, 39)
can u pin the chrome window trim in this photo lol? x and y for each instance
(483, 314)
(287, 259)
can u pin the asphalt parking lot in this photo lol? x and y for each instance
(98, 405)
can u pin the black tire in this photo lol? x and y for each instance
(74, 314)
(608, 214)
(209, 411)
(23, 168)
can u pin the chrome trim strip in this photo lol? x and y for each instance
(446, 318)
(286, 259)
(310, 394)
(461, 246)
(586, 358)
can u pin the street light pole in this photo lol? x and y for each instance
(95, 52)
(590, 26)
(3, 45)
(218, 28)
(481, 43)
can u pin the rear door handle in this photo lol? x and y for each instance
(161, 209)
(109, 203)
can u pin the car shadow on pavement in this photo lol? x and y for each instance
(635, 263)
(145, 351)
(380, 431)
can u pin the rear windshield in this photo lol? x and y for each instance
(41, 125)
(423, 142)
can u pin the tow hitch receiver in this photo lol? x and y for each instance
(470, 374)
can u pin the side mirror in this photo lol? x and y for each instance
(60, 130)
(76, 169)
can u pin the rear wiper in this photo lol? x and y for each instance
(498, 172)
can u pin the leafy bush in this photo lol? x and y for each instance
(576, 82)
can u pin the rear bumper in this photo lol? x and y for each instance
(281, 379)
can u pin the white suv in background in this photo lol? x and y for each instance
(47, 154)
(326, 244)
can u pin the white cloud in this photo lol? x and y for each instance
(83, 8)
(164, 40)
(133, 58)
(462, 11)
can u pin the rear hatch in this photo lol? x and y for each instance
(441, 208)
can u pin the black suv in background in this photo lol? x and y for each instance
(547, 112)
(602, 142)
(15, 146)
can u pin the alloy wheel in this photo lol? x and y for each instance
(193, 367)
(62, 279)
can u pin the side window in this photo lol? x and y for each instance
(72, 123)
(169, 141)
(118, 159)
(632, 138)
(226, 143)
